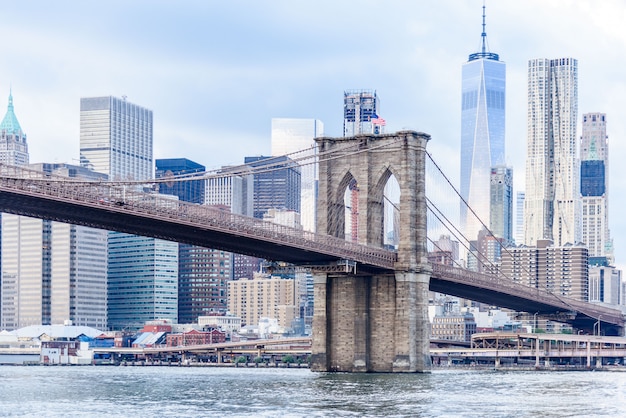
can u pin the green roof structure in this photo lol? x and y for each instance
(10, 123)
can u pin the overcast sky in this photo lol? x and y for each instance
(215, 73)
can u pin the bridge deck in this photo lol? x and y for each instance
(122, 208)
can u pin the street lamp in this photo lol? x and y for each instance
(598, 324)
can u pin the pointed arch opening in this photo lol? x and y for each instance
(340, 209)
(383, 211)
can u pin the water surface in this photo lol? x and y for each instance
(99, 391)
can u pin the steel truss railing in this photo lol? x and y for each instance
(131, 199)
(508, 286)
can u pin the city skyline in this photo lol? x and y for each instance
(279, 55)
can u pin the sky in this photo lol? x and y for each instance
(216, 73)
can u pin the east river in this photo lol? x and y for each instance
(105, 391)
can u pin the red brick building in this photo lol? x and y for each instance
(195, 337)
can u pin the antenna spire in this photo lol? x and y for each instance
(484, 34)
(484, 53)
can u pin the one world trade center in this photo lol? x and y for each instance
(482, 134)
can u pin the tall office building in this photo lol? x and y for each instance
(359, 108)
(13, 146)
(552, 207)
(116, 139)
(519, 217)
(177, 169)
(296, 138)
(501, 203)
(21, 287)
(52, 272)
(233, 189)
(594, 188)
(276, 184)
(203, 273)
(605, 285)
(77, 257)
(482, 133)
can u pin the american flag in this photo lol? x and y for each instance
(378, 121)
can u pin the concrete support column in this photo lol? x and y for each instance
(412, 327)
(319, 344)
(537, 353)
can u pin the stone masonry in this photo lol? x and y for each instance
(374, 321)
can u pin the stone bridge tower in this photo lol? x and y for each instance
(373, 321)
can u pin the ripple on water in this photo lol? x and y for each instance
(229, 392)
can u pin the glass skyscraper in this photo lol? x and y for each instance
(552, 206)
(296, 137)
(116, 138)
(203, 273)
(519, 217)
(276, 184)
(501, 219)
(482, 133)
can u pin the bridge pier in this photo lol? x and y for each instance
(376, 320)
(376, 323)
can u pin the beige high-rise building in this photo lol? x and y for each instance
(594, 156)
(561, 270)
(263, 297)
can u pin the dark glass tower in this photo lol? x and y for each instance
(276, 184)
(203, 273)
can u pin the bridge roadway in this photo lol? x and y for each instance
(121, 208)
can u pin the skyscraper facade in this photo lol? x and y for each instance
(359, 108)
(78, 262)
(519, 217)
(263, 297)
(562, 270)
(233, 188)
(482, 133)
(186, 190)
(501, 203)
(51, 272)
(276, 184)
(594, 159)
(203, 273)
(116, 138)
(552, 206)
(23, 299)
(296, 138)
